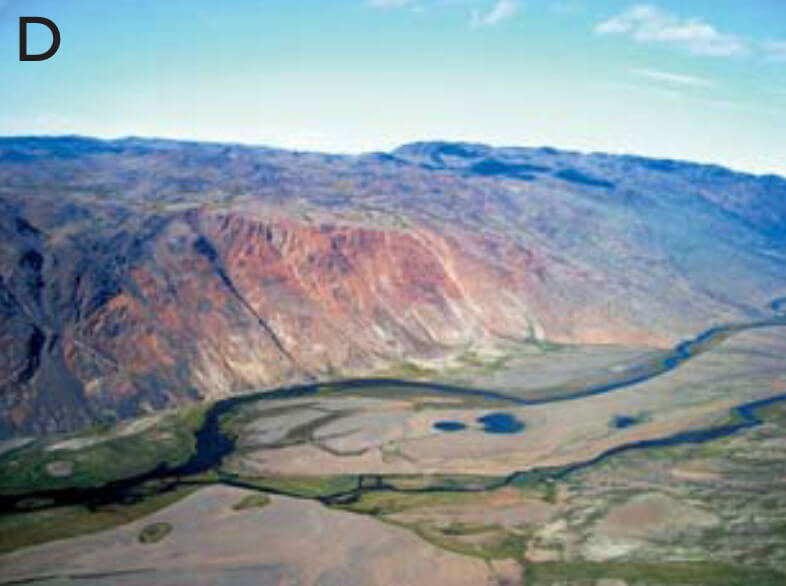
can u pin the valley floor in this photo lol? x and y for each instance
(365, 488)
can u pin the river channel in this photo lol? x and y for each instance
(213, 444)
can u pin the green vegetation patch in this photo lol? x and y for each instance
(646, 574)
(775, 413)
(154, 532)
(485, 364)
(301, 486)
(252, 501)
(384, 503)
(442, 481)
(462, 528)
(107, 455)
(20, 530)
(485, 542)
(406, 370)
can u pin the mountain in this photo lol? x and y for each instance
(139, 274)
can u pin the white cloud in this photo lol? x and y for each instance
(775, 50)
(501, 11)
(647, 23)
(673, 78)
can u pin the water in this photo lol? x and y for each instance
(624, 421)
(450, 426)
(501, 423)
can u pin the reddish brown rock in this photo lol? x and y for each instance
(136, 275)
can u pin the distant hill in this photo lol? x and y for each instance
(137, 274)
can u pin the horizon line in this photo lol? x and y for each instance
(316, 151)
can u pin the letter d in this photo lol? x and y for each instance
(23, 54)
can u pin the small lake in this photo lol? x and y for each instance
(450, 426)
(624, 421)
(501, 423)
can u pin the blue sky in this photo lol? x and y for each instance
(702, 80)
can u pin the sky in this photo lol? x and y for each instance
(701, 80)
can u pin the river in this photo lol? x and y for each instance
(213, 444)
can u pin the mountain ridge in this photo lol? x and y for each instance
(138, 274)
(165, 142)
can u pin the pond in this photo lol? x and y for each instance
(501, 423)
(624, 421)
(450, 426)
(492, 423)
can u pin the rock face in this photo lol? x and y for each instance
(138, 274)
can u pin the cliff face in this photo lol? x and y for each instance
(140, 274)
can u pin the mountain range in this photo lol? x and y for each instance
(141, 274)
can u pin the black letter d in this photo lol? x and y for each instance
(23, 54)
